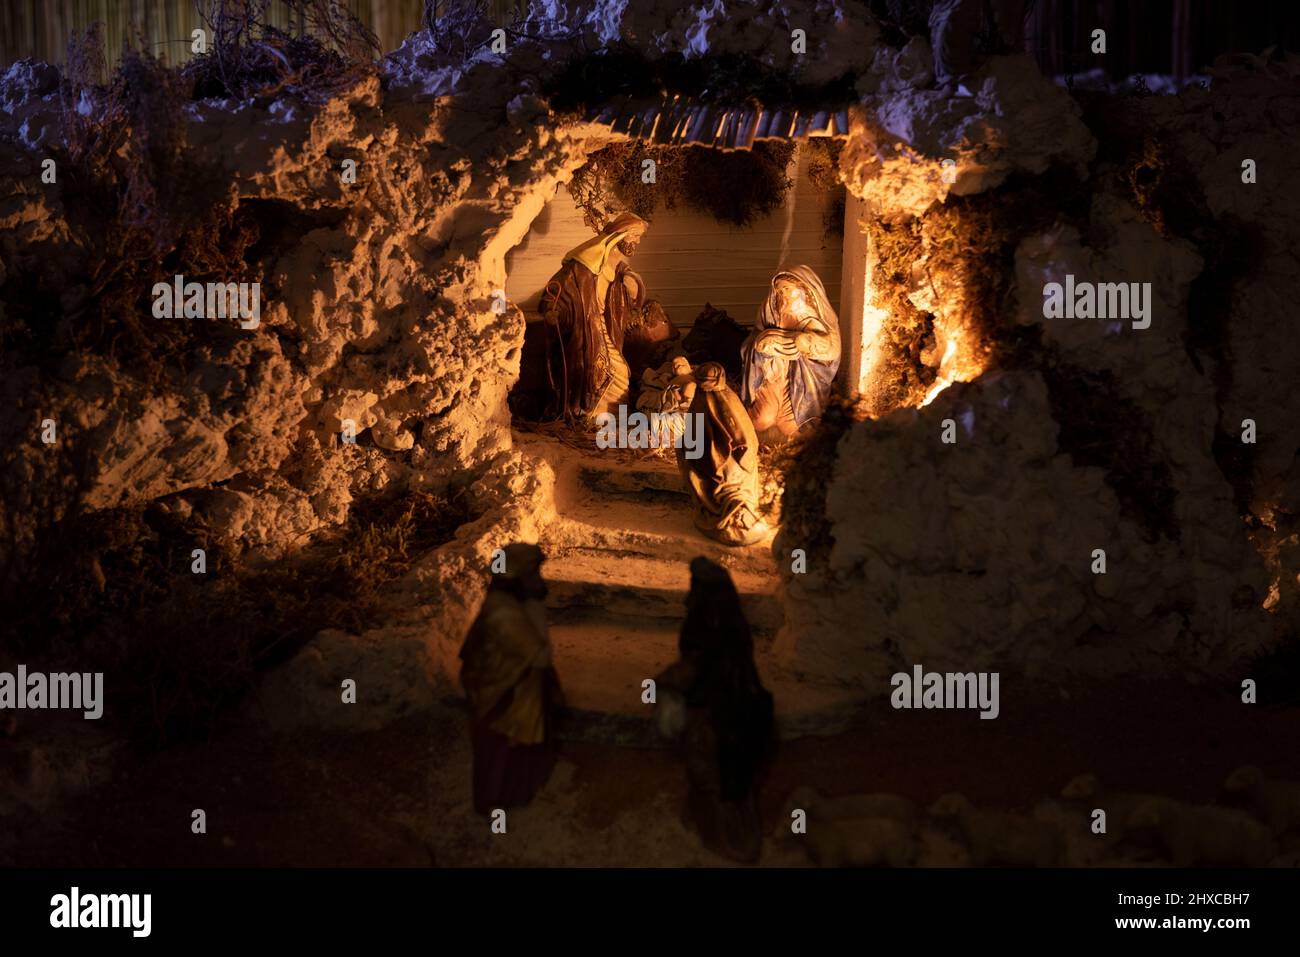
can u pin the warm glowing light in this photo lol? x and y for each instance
(1274, 595)
(872, 354)
(943, 381)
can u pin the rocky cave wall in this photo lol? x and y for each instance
(380, 315)
(376, 307)
(1084, 434)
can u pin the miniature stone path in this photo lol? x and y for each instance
(617, 574)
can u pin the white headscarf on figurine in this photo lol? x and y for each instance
(812, 379)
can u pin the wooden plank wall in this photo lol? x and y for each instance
(688, 258)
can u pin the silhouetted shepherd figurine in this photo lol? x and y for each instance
(511, 685)
(713, 701)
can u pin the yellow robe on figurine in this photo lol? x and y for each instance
(500, 659)
(587, 306)
(510, 685)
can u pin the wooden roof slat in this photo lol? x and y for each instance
(702, 120)
(680, 121)
(749, 128)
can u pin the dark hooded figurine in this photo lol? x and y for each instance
(511, 685)
(713, 701)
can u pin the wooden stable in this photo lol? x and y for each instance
(688, 258)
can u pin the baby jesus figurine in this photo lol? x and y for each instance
(668, 391)
(670, 388)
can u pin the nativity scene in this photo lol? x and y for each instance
(570, 366)
(595, 304)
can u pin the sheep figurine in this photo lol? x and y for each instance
(1276, 803)
(995, 837)
(857, 830)
(1202, 835)
(1118, 805)
(862, 842)
(880, 804)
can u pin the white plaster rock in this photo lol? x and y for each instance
(977, 556)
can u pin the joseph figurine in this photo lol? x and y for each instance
(586, 306)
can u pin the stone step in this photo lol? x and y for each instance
(602, 664)
(610, 471)
(626, 502)
(611, 606)
(567, 533)
(656, 528)
(656, 478)
(618, 557)
(602, 667)
(592, 581)
(669, 518)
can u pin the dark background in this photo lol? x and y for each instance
(1152, 36)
